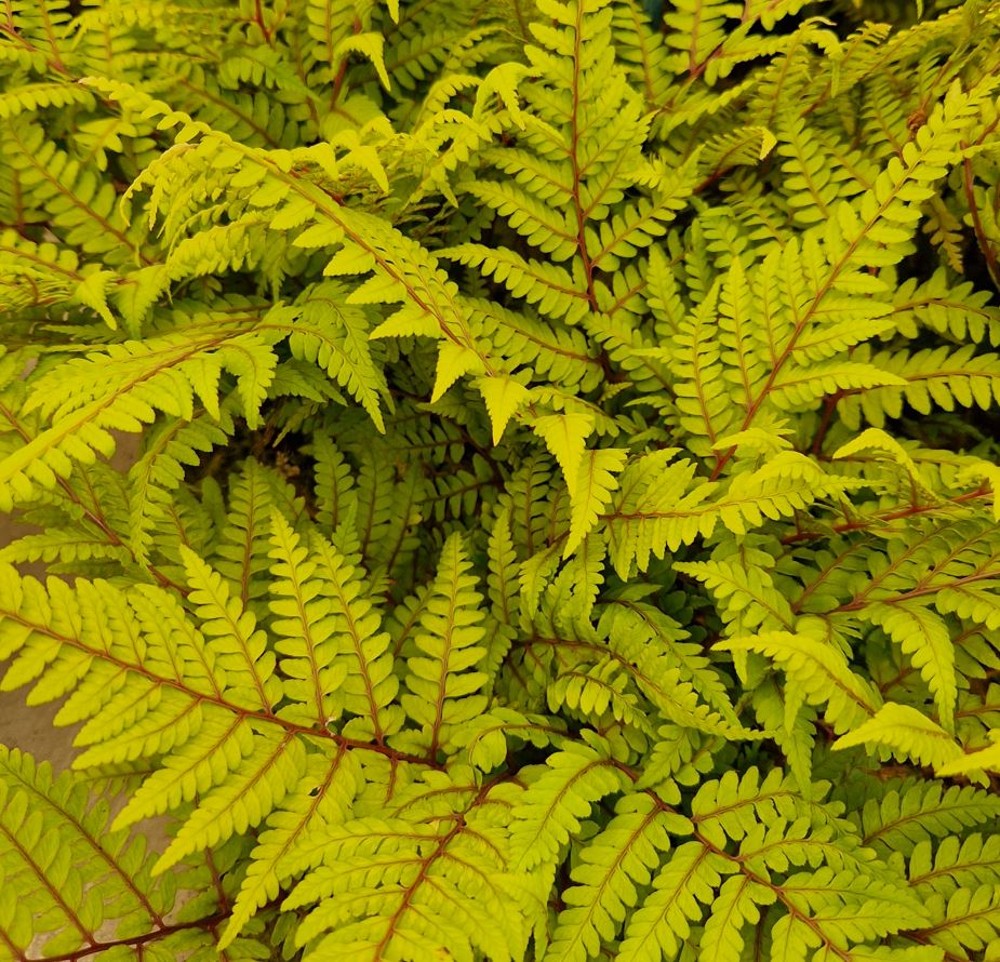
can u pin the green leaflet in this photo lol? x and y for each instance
(501, 481)
(442, 675)
(907, 732)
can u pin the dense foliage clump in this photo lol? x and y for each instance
(565, 518)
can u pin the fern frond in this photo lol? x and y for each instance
(81, 887)
(443, 680)
(308, 666)
(363, 651)
(748, 594)
(557, 353)
(322, 797)
(550, 811)
(935, 378)
(986, 759)
(442, 886)
(549, 287)
(956, 862)
(244, 540)
(647, 522)
(82, 209)
(680, 893)
(613, 868)
(169, 451)
(907, 732)
(240, 646)
(817, 670)
(334, 335)
(122, 390)
(595, 485)
(925, 637)
(551, 231)
(257, 784)
(562, 523)
(918, 812)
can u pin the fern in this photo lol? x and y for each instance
(501, 481)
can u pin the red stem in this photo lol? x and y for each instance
(135, 940)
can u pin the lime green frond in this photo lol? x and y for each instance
(443, 677)
(501, 480)
(52, 838)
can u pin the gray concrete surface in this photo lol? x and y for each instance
(31, 730)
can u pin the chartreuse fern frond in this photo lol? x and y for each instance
(416, 903)
(232, 729)
(363, 653)
(907, 732)
(83, 887)
(442, 676)
(551, 810)
(818, 671)
(607, 881)
(501, 481)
